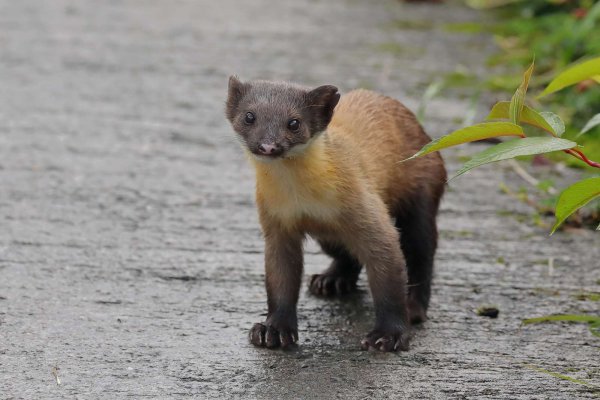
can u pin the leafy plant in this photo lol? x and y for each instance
(516, 113)
(559, 32)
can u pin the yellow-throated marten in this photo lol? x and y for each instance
(329, 167)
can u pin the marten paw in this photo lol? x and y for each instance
(416, 311)
(385, 341)
(266, 335)
(331, 285)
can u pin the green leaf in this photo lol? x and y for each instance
(515, 148)
(575, 74)
(561, 376)
(518, 100)
(593, 122)
(465, 27)
(592, 320)
(589, 23)
(470, 134)
(499, 111)
(432, 90)
(574, 197)
(485, 4)
(550, 123)
(564, 318)
(557, 124)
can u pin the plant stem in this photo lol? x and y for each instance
(578, 154)
(582, 157)
(528, 178)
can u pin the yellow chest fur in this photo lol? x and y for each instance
(305, 187)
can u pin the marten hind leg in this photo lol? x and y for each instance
(341, 276)
(418, 239)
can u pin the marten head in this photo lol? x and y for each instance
(275, 119)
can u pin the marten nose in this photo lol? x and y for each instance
(268, 149)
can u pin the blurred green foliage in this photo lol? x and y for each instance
(557, 33)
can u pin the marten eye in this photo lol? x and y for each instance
(294, 125)
(249, 118)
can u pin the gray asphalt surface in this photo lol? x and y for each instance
(130, 252)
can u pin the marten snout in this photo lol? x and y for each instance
(267, 149)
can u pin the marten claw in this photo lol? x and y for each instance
(385, 342)
(264, 335)
(330, 285)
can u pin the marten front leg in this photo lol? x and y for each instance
(376, 244)
(283, 275)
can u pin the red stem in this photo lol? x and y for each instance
(582, 157)
(577, 154)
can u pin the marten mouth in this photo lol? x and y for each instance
(267, 157)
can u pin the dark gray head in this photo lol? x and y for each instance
(274, 119)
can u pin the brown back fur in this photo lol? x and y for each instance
(380, 132)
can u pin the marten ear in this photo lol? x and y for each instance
(236, 91)
(321, 102)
